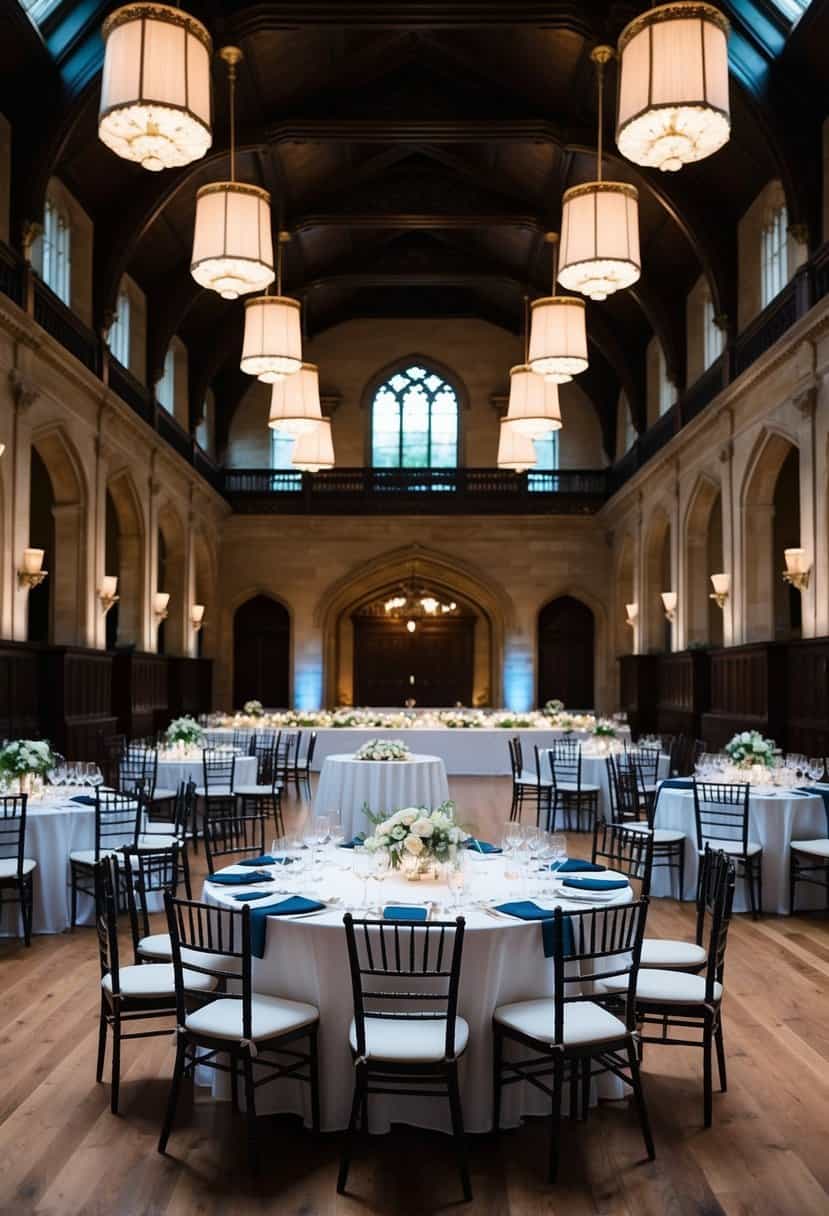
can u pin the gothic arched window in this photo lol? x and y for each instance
(414, 420)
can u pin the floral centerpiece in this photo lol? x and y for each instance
(552, 707)
(24, 759)
(417, 839)
(185, 731)
(461, 719)
(253, 709)
(383, 749)
(604, 729)
(748, 748)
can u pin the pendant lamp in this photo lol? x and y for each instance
(599, 225)
(232, 244)
(155, 87)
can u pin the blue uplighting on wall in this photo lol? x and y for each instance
(308, 688)
(518, 683)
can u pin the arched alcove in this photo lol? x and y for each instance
(657, 569)
(261, 653)
(125, 540)
(170, 577)
(703, 554)
(624, 594)
(566, 653)
(57, 489)
(204, 589)
(771, 523)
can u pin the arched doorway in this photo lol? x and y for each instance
(41, 536)
(658, 578)
(703, 557)
(124, 557)
(261, 653)
(170, 570)
(58, 525)
(624, 595)
(566, 641)
(771, 523)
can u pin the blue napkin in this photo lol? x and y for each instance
(84, 799)
(596, 884)
(228, 879)
(404, 912)
(824, 794)
(574, 864)
(677, 783)
(481, 846)
(291, 906)
(267, 859)
(525, 909)
(243, 897)
(354, 843)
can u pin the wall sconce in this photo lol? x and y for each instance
(197, 616)
(669, 599)
(31, 573)
(722, 585)
(798, 568)
(161, 599)
(632, 611)
(106, 592)
(2, 448)
(411, 626)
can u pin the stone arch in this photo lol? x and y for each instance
(384, 574)
(131, 557)
(602, 683)
(171, 577)
(262, 633)
(567, 652)
(380, 377)
(759, 558)
(204, 588)
(702, 550)
(67, 577)
(624, 590)
(657, 578)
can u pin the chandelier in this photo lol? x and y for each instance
(533, 401)
(558, 333)
(673, 86)
(232, 244)
(414, 603)
(155, 89)
(516, 450)
(295, 402)
(272, 346)
(599, 225)
(314, 449)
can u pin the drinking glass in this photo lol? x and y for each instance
(336, 835)
(361, 862)
(456, 880)
(814, 767)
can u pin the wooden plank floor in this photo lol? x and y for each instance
(62, 1152)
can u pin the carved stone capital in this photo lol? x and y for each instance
(805, 399)
(24, 391)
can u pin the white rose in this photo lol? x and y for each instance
(423, 827)
(414, 845)
(409, 816)
(383, 829)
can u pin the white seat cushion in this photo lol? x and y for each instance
(159, 841)
(159, 827)
(87, 856)
(531, 779)
(157, 945)
(660, 835)
(270, 1016)
(818, 848)
(163, 795)
(8, 866)
(672, 954)
(584, 1022)
(664, 987)
(254, 791)
(155, 980)
(218, 791)
(570, 787)
(733, 847)
(409, 1041)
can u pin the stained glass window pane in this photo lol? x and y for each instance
(415, 421)
(542, 476)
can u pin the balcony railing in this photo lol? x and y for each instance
(366, 491)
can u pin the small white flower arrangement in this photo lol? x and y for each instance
(552, 707)
(417, 834)
(604, 729)
(748, 748)
(253, 709)
(383, 749)
(461, 719)
(185, 731)
(25, 756)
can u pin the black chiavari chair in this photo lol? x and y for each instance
(573, 1035)
(16, 869)
(627, 801)
(534, 789)
(160, 833)
(118, 819)
(406, 1036)
(667, 954)
(304, 764)
(233, 836)
(572, 795)
(625, 849)
(146, 873)
(265, 795)
(111, 750)
(227, 1033)
(219, 778)
(809, 862)
(722, 813)
(286, 754)
(137, 769)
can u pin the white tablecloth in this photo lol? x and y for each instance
(503, 961)
(774, 821)
(172, 772)
(347, 785)
(594, 772)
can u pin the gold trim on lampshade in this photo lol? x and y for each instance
(558, 338)
(272, 346)
(314, 449)
(516, 450)
(672, 104)
(155, 89)
(533, 402)
(295, 402)
(599, 238)
(232, 243)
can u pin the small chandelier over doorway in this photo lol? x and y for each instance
(414, 602)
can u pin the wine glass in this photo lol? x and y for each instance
(456, 879)
(814, 767)
(96, 777)
(361, 863)
(336, 834)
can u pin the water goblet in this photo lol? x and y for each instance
(814, 767)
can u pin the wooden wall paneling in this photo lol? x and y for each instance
(76, 692)
(748, 692)
(190, 686)
(20, 703)
(140, 693)
(807, 697)
(683, 692)
(639, 686)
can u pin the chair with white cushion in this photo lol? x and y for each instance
(676, 1000)
(161, 833)
(628, 851)
(722, 817)
(239, 1026)
(667, 954)
(809, 862)
(146, 873)
(572, 1034)
(532, 788)
(134, 993)
(627, 799)
(16, 869)
(406, 1036)
(573, 796)
(117, 822)
(218, 781)
(265, 795)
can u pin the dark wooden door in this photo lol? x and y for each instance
(261, 653)
(433, 665)
(566, 637)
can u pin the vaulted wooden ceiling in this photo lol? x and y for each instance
(418, 150)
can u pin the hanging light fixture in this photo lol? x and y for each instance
(599, 224)
(533, 401)
(314, 449)
(155, 89)
(272, 347)
(295, 402)
(673, 86)
(516, 450)
(558, 333)
(232, 244)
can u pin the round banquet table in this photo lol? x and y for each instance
(305, 960)
(594, 772)
(774, 820)
(190, 768)
(348, 785)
